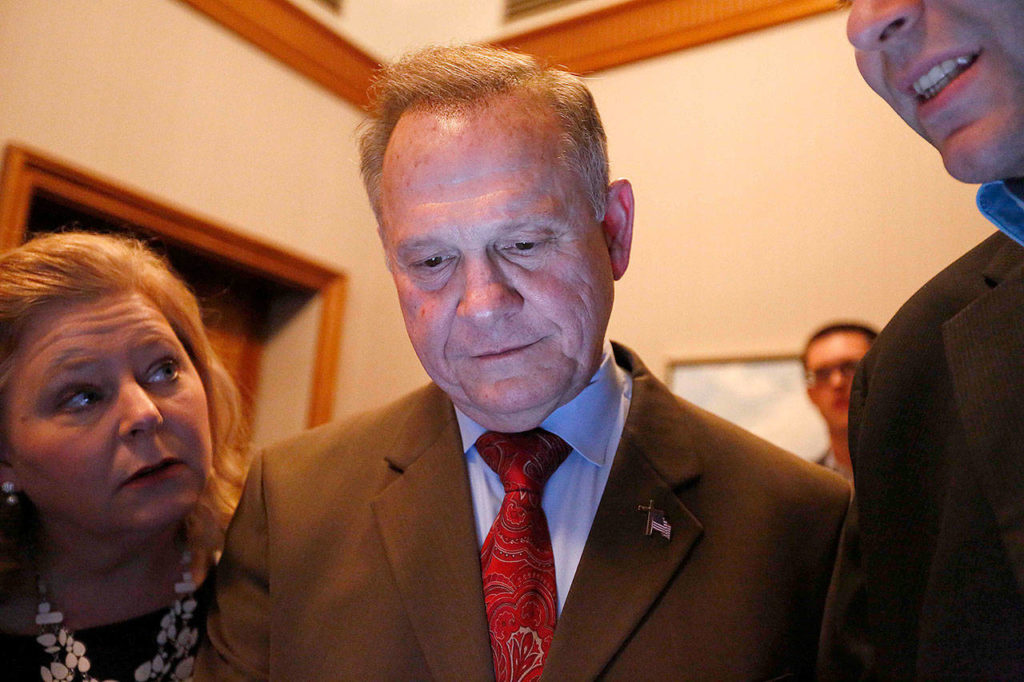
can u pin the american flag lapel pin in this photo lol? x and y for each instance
(656, 521)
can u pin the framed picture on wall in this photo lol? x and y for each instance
(765, 395)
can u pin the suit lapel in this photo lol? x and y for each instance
(622, 572)
(425, 518)
(985, 352)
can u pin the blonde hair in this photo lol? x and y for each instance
(81, 266)
(465, 76)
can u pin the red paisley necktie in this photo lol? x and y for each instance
(518, 566)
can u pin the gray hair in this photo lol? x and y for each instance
(467, 76)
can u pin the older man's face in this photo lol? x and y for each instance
(954, 70)
(503, 273)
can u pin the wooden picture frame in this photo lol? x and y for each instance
(30, 176)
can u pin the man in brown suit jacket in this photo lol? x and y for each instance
(355, 553)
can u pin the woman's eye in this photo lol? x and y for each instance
(432, 262)
(164, 371)
(79, 399)
(524, 246)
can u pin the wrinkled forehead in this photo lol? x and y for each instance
(60, 329)
(514, 117)
(435, 150)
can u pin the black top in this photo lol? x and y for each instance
(115, 651)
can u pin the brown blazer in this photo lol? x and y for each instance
(354, 555)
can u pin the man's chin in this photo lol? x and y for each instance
(967, 172)
(508, 409)
(972, 157)
(507, 421)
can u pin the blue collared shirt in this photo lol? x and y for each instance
(592, 424)
(1002, 206)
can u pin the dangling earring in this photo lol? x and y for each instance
(7, 488)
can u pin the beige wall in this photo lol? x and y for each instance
(153, 94)
(773, 190)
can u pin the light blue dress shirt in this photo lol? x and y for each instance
(592, 424)
(998, 203)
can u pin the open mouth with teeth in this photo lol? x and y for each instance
(941, 75)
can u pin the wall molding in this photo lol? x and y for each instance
(603, 39)
(299, 41)
(640, 29)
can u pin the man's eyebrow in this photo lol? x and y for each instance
(414, 243)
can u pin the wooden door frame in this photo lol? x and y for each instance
(27, 172)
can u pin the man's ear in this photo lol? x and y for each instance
(618, 225)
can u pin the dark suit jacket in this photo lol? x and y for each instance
(354, 555)
(937, 438)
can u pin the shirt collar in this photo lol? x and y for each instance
(1003, 205)
(585, 422)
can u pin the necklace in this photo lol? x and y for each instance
(175, 643)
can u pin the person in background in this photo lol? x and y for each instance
(830, 359)
(546, 505)
(937, 408)
(121, 452)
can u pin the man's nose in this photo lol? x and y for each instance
(139, 413)
(874, 24)
(487, 293)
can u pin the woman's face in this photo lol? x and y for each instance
(105, 425)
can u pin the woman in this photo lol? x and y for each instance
(120, 462)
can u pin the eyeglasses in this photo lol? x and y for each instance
(823, 375)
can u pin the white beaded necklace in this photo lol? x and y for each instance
(174, 642)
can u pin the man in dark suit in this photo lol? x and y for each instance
(937, 408)
(666, 544)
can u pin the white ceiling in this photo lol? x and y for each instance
(387, 28)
